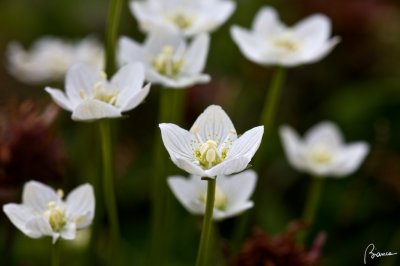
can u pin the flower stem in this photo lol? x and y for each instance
(207, 224)
(114, 13)
(312, 203)
(108, 182)
(55, 254)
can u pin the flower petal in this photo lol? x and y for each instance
(81, 205)
(234, 211)
(68, 232)
(293, 147)
(228, 167)
(267, 22)
(196, 55)
(19, 216)
(190, 167)
(177, 141)
(37, 196)
(136, 99)
(213, 124)
(326, 133)
(90, 110)
(315, 28)
(38, 227)
(248, 44)
(129, 51)
(60, 98)
(247, 144)
(350, 159)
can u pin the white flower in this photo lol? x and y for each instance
(89, 96)
(168, 59)
(232, 193)
(43, 212)
(49, 58)
(323, 151)
(189, 17)
(211, 147)
(270, 42)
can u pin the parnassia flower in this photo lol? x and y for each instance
(186, 17)
(90, 96)
(211, 147)
(270, 42)
(231, 195)
(323, 151)
(168, 59)
(49, 58)
(43, 212)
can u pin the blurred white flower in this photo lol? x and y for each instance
(89, 96)
(49, 58)
(232, 193)
(270, 42)
(323, 151)
(211, 147)
(189, 17)
(44, 213)
(167, 58)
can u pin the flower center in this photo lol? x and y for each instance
(286, 42)
(321, 155)
(166, 64)
(56, 216)
(101, 93)
(220, 199)
(180, 19)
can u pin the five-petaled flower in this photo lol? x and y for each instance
(89, 96)
(212, 146)
(231, 195)
(270, 42)
(43, 212)
(186, 17)
(322, 152)
(167, 58)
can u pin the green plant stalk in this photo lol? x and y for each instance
(108, 182)
(55, 254)
(207, 224)
(114, 14)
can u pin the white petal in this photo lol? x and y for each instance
(248, 44)
(136, 99)
(326, 133)
(37, 196)
(196, 55)
(213, 15)
(20, 215)
(315, 28)
(177, 141)
(81, 205)
(38, 227)
(159, 38)
(60, 98)
(190, 167)
(238, 188)
(187, 191)
(90, 110)
(247, 144)
(129, 51)
(81, 77)
(293, 147)
(213, 124)
(229, 166)
(236, 211)
(350, 159)
(267, 22)
(315, 53)
(68, 232)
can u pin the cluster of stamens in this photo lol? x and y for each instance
(55, 215)
(101, 93)
(165, 63)
(321, 155)
(181, 19)
(285, 42)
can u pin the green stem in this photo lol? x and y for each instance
(55, 254)
(207, 224)
(114, 13)
(311, 205)
(108, 182)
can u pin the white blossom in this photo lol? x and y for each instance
(90, 96)
(167, 58)
(189, 17)
(270, 42)
(49, 58)
(322, 152)
(43, 211)
(212, 146)
(232, 193)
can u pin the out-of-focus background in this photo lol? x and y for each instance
(357, 86)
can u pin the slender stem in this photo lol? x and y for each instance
(108, 181)
(311, 206)
(207, 224)
(55, 254)
(114, 13)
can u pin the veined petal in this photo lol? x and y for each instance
(315, 27)
(81, 205)
(129, 51)
(247, 144)
(326, 133)
(91, 109)
(190, 167)
(38, 227)
(228, 166)
(213, 124)
(293, 147)
(37, 196)
(19, 216)
(351, 157)
(81, 78)
(267, 22)
(177, 141)
(60, 98)
(248, 44)
(136, 99)
(196, 55)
